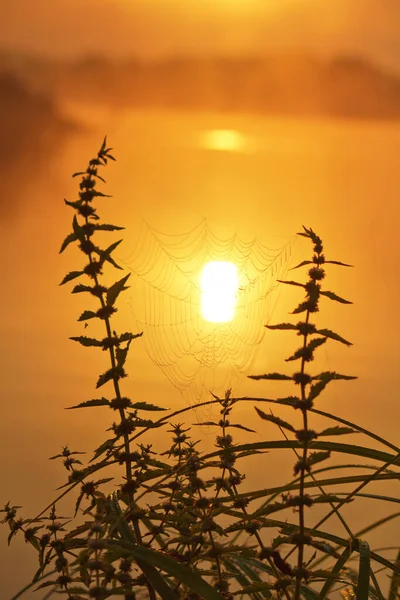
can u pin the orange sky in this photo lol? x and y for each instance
(159, 27)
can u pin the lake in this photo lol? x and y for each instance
(256, 177)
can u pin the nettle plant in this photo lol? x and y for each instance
(180, 523)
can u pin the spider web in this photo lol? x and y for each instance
(199, 357)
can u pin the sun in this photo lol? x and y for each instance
(219, 287)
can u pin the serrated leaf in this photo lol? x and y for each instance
(86, 315)
(45, 584)
(78, 530)
(114, 291)
(81, 288)
(283, 326)
(68, 240)
(315, 343)
(302, 307)
(113, 263)
(334, 297)
(317, 388)
(105, 377)
(311, 346)
(238, 426)
(94, 402)
(146, 423)
(35, 542)
(106, 227)
(273, 376)
(77, 505)
(288, 401)
(333, 336)
(105, 254)
(97, 193)
(337, 262)
(327, 374)
(106, 446)
(79, 232)
(70, 276)
(146, 406)
(121, 354)
(275, 420)
(337, 431)
(86, 341)
(124, 337)
(76, 204)
(316, 457)
(302, 264)
(296, 283)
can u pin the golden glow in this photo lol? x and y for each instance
(219, 286)
(228, 140)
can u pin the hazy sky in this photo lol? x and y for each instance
(160, 27)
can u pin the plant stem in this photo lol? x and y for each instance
(300, 556)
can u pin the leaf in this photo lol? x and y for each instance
(68, 240)
(45, 584)
(106, 227)
(145, 423)
(309, 233)
(103, 145)
(86, 315)
(76, 204)
(283, 326)
(336, 262)
(100, 194)
(106, 446)
(113, 263)
(94, 402)
(291, 283)
(288, 401)
(81, 288)
(105, 254)
(110, 374)
(302, 264)
(274, 376)
(333, 296)
(332, 335)
(326, 374)
(86, 341)
(337, 431)
(78, 530)
(238, 426)
(311, 346)
(124, 337)
(70, 276)
(302, 307)
(79, 232)
(316, 457)
(114, 291)
(315, 343)
(364, 570)
(146, 406)
(121, 354)
(275, 420)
